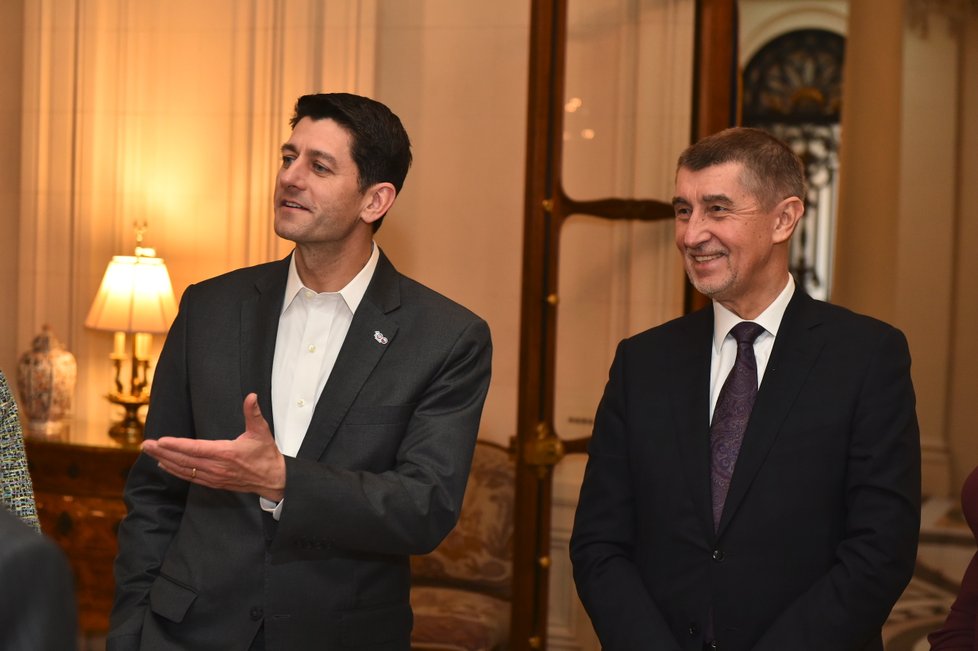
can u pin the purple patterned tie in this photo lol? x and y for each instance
(731, 414)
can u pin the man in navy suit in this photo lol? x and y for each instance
(817, 535)
(312, 422)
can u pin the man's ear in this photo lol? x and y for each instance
(378, 199)
(789, 213)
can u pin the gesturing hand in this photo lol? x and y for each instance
(250, 463)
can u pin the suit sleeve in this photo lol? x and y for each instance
(846, 607)
(410, 508)
(154, 499)
(602, 545)
(37, 606)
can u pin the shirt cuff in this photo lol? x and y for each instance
(268, 506)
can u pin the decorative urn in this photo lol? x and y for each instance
(46, 380)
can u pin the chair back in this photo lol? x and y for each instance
(478, 553)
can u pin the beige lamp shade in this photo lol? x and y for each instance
(135, 296)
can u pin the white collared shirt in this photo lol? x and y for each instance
(311, 331)
(725, 347)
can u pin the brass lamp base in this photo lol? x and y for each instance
(129, 431)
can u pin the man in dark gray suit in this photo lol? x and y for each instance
(791, 520)
(312, 422)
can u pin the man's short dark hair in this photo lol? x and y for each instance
(772, 171)
(379, 145)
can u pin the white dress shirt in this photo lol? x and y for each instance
(311, 331)
(725, 346)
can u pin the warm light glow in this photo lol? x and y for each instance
(142, 342)
(119, 346)
(135, 296)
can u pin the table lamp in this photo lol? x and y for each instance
(135, 300)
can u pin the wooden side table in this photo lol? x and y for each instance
(78, 484)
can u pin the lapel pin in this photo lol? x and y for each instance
(379, 336)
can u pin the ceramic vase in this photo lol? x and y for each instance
(46, 380)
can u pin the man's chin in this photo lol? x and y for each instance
(709, 289)
(283, 228)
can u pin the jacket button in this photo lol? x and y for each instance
(256, 614)
(717, 555)
(693, 629)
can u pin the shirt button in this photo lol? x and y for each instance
(302, 403)
(309, 293)
(693, 629)
(312, 348)
(717, 555)
(256, 614)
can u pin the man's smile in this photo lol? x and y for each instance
(293, 205)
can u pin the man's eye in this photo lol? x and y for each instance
(682, 213)
(319, 168)
(287, 160)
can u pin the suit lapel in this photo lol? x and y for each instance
(691, 409)
(259, 329)
(796, 348)
(371, 333)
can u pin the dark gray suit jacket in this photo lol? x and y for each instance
(819, 530)
(380, 474)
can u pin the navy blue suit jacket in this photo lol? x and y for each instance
(819, 530)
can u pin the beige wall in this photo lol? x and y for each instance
(11, 65)
(906, 214)
(962, 372)
(455, 72)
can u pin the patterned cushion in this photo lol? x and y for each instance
(477, 554)
(446, 619)
(461, 591)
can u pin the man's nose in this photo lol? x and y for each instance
(696, 231)
(291, 176)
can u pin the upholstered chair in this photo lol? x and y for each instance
(461, 592)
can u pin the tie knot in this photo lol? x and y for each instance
(746, 332)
